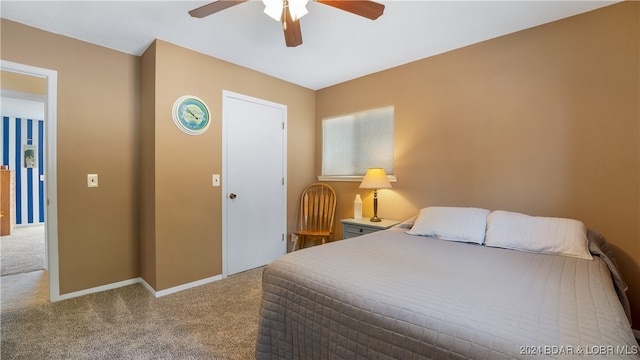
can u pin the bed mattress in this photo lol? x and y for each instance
(389, 295)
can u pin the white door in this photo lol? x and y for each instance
(254, 182)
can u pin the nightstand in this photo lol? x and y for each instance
(353, 227)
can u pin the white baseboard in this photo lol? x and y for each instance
(153, 292)
(180, 287)
(148, 287)
(99, 289)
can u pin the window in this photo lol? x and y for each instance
(353, 143)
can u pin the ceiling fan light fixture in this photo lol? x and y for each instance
(275, 8)
(288, 12)
(298, 9)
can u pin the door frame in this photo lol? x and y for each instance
(51, 176)
(226, 96)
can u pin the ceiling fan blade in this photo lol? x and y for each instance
(214, 7)
(292, 32)
(365, 8)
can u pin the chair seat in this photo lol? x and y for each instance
(312, 233)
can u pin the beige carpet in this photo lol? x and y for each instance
(214, 321)
(23, 250)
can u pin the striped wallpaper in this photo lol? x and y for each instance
(15, 134)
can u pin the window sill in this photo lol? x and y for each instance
(357, 178)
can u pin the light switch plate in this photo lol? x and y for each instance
(216, 180)
(92, 180)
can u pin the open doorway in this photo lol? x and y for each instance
(28, 128)
(23, 265)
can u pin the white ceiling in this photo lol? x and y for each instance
(338, 46)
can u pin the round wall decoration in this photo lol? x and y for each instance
(191, 115)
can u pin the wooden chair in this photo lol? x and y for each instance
(317, 210)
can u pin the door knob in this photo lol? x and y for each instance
(232, 196)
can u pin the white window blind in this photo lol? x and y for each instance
(353, 143)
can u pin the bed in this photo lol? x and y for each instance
(396, 295)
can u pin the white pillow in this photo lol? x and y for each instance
(547, 235)
(464, 224)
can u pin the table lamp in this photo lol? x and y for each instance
(375, 179)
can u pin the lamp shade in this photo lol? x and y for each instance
(375, 178)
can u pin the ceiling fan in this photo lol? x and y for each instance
(289, 12)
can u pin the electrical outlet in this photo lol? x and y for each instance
(216, 180)
(92, 180)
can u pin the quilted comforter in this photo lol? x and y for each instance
(389, 295)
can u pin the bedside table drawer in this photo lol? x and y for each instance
(353, 231)
(352, 227)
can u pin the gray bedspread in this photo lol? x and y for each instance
(390, 295)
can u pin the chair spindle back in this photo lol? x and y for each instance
(317, 208)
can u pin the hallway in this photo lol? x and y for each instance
(24, 281)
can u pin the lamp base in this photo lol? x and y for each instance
(375, 217)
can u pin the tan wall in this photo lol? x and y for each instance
(148, 166)
(97, 133)
(23, 83)
(188, 218)
(544, 121)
